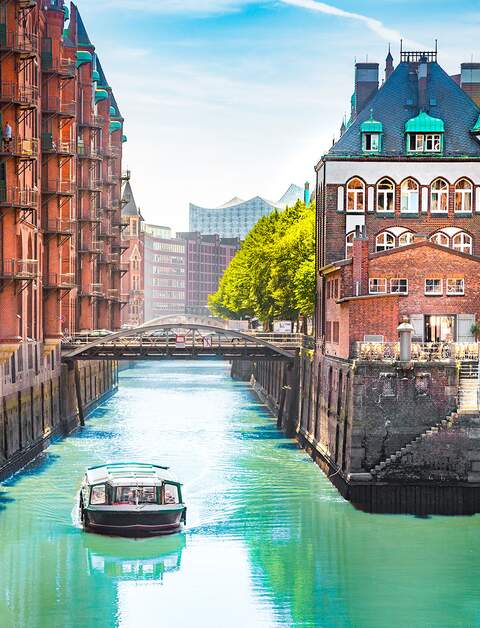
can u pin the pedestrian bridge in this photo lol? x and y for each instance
(182, 339)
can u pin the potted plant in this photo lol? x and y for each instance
(475, 331)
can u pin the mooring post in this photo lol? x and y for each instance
(78, 393)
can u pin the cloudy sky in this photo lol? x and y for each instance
(228, 98)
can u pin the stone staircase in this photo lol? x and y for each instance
(468, 391)
(442, 425)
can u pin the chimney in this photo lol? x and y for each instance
(470, 80)
(306, 193)
(366, 84)
(389, 65)
(422, 84)
(360, 261)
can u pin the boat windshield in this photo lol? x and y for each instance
(134, 495)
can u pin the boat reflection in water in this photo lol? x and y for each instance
(124, 559)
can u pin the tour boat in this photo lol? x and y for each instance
(131, 499)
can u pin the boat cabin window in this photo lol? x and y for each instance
(171, 494)
(134, 495)
(98, 495)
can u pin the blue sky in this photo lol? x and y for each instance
(228, 98)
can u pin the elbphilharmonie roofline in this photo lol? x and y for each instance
(235, 218)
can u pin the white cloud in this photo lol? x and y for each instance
(378, 27)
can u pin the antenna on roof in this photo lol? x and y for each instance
(401, 47)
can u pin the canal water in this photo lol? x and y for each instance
(269, 542)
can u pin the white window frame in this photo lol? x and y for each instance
(383, 194)
(436, 196)
(435, 141)
(450, 292)
(380, 290)
(436, 293)
(374, 138)
(406, 234)
(466, 243)
(357, 193)
(349, 244)
(398, 291)
(412, 196)
(438, 236)
(384, 234)
(464, 194)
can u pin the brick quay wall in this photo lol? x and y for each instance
(41, 404)
(388, 437)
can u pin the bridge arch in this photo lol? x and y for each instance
(149, 329)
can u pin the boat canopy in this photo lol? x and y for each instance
(125, 473)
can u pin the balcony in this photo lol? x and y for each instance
(23, 95)
(62, 67)
(23, 198)
(121, 268)
(96, 289)
(59, 281)
(87, 152)
(61, 188)
(111, 179)
(54, 104)
(120, 223)
(25, 44)
(118, 245)
(91, 248)
(18, 269)
(89, 218)
(113, 294)
(105, 231)
(87, 184)
(21, 147)
(56, 146)
(61, 227)
(91, 121)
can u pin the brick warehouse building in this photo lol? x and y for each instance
(398, 235)
(133, 259)
(60, 171)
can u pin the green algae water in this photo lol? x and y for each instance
(268, 541)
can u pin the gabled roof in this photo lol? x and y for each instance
(396, 102)
(293, 194)
(82, 36)
(130, 208)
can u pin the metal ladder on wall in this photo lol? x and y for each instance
(469, 388)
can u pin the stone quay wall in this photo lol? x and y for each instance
(43, 405)
(388, 437)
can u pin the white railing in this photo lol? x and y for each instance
(421, 351)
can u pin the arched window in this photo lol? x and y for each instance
(355, 196)
(409, 196)
(349, 244)
(439, 203)
(405, 238)
(440, 238)
(462, 242)
(385, 196)
(384, 241)
(463, 196)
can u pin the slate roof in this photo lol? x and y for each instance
(397, 101)
(130, 208)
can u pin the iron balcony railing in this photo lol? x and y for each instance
(89, 120)
(22, 147)
(90, 185)
(60, 226)
(24, 43)
(97, 289)
(19, 94)
(55, 104)
(113, 293)
(65, 281)
(56, 186)
(91, 247)
(421, 351)
(89, 217)
(57, 146)
(62, 66)
(88, 152)
(111, 179)
(19, 269)
(18, 197)
(105, 231)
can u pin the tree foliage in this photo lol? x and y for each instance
(273, 274)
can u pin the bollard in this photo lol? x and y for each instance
(405, 332)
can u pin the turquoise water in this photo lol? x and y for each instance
(269, 542)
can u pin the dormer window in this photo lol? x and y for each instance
(424, 134)
(372, 131)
